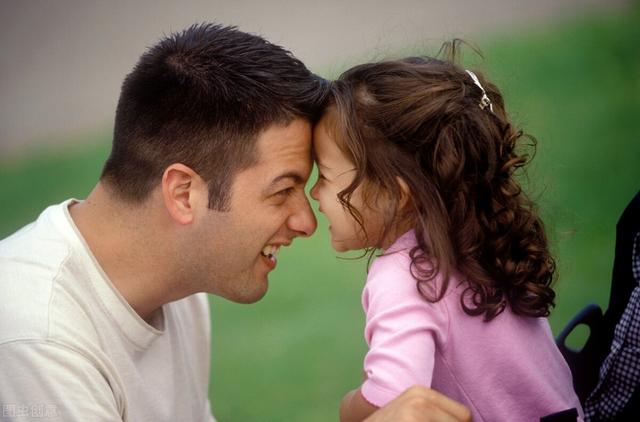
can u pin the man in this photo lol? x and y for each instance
(103, 315)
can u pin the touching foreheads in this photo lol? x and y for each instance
(201, 97)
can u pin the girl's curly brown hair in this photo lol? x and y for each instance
(418, 121)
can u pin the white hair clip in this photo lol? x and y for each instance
(484, 100)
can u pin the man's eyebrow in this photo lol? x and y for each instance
(297, 178)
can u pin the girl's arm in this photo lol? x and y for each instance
(354, 408)
(421, 404)
(416, 404)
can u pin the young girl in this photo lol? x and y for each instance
(417, 157)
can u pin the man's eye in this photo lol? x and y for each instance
(285, 192)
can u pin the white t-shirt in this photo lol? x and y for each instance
(72, 348)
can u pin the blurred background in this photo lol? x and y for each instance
(570, 73)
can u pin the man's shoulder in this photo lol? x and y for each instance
(31, 260)
(42, 242)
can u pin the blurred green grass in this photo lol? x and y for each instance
(575, 86)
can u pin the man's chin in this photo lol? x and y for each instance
(247, 300)
(250, 296)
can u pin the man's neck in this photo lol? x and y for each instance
(127, 243)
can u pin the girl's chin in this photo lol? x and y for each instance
(345, 246)
(339, 246)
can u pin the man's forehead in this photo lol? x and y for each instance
(284, 142)
(283, 151)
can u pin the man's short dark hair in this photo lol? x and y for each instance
(201, 97)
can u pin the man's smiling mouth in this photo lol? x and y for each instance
(271, 252)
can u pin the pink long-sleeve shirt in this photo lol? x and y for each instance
(504, 370)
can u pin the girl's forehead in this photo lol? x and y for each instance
(328, 130)
(327, 153)
(330, 120)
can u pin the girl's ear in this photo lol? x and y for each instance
(405, 193)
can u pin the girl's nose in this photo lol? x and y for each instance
(314, 191)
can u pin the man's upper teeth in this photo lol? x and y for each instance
(270, 250)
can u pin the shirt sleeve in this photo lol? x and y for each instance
(402, 330)
(42, 379)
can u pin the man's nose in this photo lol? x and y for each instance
(302, 220)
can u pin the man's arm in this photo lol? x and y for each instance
(421, 404)
(42, 377)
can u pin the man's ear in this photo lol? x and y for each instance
(183, 192)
